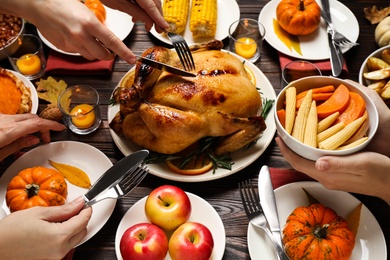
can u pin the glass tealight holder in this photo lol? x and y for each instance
(298, 69)
(246, 38)
(80, 109)
(29, 59)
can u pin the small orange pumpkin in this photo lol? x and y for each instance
(97, 8)
(317, 232)
(298, 17)
(36, 186)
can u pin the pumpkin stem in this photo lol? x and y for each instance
(32, 189)
(321, 232)
(301, 6)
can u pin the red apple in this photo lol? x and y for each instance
(191, 241)
(144, 241)
(168, 207)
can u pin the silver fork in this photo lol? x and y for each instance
(338, 38)
(183, 51)
(250, 200)
(123, 187)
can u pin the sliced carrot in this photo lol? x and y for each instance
(316, 97)
(355, 109)
(337, 102)
(282, 116)
(324, 89)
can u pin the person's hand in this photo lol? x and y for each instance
(16, 130)
(147, 11)
(364, 172)
(44, 232)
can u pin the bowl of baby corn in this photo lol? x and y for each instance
(317, 116)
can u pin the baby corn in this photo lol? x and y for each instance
(339, 138)
(203, 20)
(175, 13)
(310, 136)
(291, 99)
(300, 121)
(327, 121)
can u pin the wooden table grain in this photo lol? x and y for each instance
(222, 194)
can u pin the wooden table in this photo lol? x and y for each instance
(222, 194)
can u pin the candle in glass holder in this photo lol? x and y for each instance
(83, 116)
(29, 64)
(246, 47)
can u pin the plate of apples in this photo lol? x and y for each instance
(170, 223)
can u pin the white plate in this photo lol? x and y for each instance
(241, 158)
(228, 12)
(370, 241)
(202, 212)
(30, 85)
(83, 156)
(118, 22)
(314, 46)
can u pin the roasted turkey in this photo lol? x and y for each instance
(167, 113)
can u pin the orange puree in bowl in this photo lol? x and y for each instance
(10, 97)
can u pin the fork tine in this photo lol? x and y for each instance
(132, 180)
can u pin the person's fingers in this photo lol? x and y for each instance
(17, 145)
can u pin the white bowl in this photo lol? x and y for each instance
(319, 81)
(364, 69)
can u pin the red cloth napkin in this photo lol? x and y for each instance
(323, 65)
(58, 63)
(280, 177)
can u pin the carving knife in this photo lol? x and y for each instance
(115, 173)
(165, 67)
(268, 202)
(336, 55)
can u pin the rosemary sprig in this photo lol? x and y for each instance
(112, 102)
(267, 105)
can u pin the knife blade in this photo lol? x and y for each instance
(335, 53)
(165, 67)
(115, 173)
(268, 203)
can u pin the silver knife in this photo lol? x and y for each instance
(268, 202)
(115, 173)
(166, 67)
(336, 55)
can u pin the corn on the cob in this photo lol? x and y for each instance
(176, 14)
(203, 20)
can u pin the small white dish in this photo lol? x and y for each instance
(202, 212)
(228, 12)
(83, 156)
(364, 68)
(314, 46)
(118, 22)
(241, 158)
(370, 242)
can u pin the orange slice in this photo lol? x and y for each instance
(197, 165)
(251, 75)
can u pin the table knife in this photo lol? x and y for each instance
(336, 55)
(115, 173)
(165, 67)
(268, 202)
